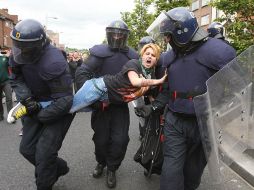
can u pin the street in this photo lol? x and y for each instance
(78, 150)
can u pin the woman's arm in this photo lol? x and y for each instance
(142, 82)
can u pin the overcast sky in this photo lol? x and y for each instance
(81, 23)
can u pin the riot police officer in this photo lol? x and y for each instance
(145, 40)
(110, 123)
(193, 59)
(216, 30)
(40, 74)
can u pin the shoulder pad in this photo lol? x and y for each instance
(52, 63)
(166, 58)
(101, 51)
(132, 54)
(215, 54)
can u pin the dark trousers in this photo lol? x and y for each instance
(40, 145)
(111, 138)
(6, 88)
(184, 158)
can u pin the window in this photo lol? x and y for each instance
(205, 2)
(9, 24)
(195, 5)
(205, 20)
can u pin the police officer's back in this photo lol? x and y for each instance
(110, 123)
(39, 74)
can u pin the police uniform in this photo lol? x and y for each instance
(184, 158)
(46, 79)
(192, 61)
(110, 125)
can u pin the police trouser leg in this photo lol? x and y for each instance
(194, 167)
(40, 145)
(184, 159)
(111, 135)
(174, 150)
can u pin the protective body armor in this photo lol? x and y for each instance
(42, 78)
(187, 75)
(113, 61)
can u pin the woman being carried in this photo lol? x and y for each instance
(129, 84)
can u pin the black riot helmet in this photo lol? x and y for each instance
(145, 40)
(117, 34)
(182, 26)
(28, 38)
(216, 30)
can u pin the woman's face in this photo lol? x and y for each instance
(148, 58)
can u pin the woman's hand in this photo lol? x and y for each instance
(161, 80)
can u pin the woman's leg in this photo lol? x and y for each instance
(90, 92)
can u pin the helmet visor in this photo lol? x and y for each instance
(26, 52)
(161, 26)
(117, 39)
(154, 29)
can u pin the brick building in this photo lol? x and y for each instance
(7, 22)
(204, 12)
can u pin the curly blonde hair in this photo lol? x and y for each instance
(155, 47)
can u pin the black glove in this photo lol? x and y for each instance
(31, 105)
(143, 111)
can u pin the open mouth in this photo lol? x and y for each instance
(149, 61)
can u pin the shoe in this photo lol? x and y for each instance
(111, 179)
(62, 167)
(98, 171)
(62, 171)
(16, 112)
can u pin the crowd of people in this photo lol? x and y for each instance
(52, 86)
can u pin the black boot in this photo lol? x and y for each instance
(62, 167)
(111, 179)
(98, 171)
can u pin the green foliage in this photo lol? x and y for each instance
(67, 49)
(140, 18)
(166, 5)
(240, 28)
(138, 21)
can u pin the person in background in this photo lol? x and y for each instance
(69, 56)
(40, 74)
(4, 82)
(145, 40)
(197, 57)
(74, 62)
(216, 30)
(110, 123)
(85, 56)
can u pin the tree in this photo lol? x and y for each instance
(138, 21)
(166, 5)
(239, 18)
